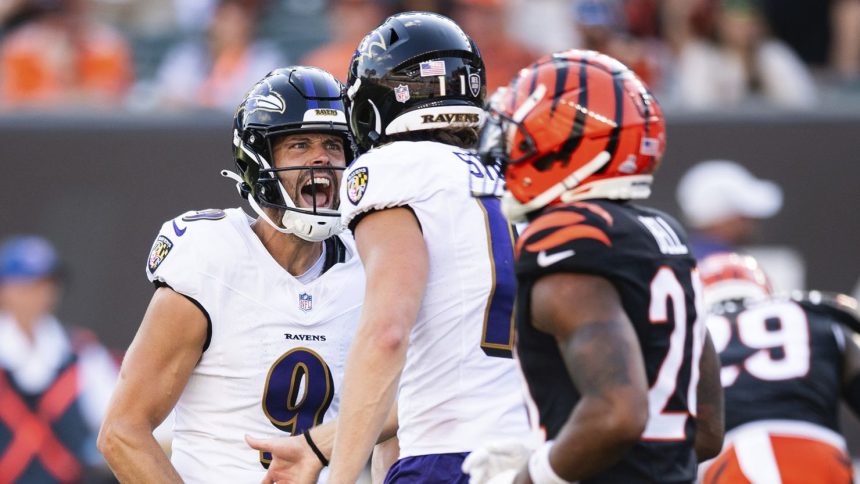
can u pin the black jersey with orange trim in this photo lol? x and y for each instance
(781, 360)
(641, 251)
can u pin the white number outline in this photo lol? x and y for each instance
(792, 336)
(666, 425)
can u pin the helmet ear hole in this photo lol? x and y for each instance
(364, 123)
(267, 190)
(367, 118)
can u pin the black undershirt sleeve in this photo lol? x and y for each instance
(358, 218)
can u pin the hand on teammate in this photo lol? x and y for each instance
(293, 462)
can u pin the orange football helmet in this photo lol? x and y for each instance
(728, 275)
(574, 125)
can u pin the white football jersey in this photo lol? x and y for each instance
(277, 349)
(459, 388)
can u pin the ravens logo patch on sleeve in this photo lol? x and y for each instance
(159, 252)
(356, 184)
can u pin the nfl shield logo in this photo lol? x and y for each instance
(474, 84)
(306, 302)
(401, 93)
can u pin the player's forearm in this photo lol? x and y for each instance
(396, 264)
(369, 391)
(613, 411)
(710, 424)
(596, 436)
(133, 454)
(323, 435)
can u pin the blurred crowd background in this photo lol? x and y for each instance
(147, 55)
(115, 115)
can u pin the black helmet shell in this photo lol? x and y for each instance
(417, 66)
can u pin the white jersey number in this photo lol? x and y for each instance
(665, 288)
(787, 335)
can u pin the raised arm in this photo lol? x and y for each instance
(154, 372)
(602, 355)
(395, 259)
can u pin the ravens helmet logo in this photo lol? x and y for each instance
(265, 100)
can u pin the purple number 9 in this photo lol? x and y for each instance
(299, 390)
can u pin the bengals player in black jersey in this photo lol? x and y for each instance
(786, 363)
(610, 334)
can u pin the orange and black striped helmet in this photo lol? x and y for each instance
(729, 276)
(574, 125)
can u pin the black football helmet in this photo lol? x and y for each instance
(286, 101)
(416, 71)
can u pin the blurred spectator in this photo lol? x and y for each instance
(485, 21)
(62, 57)
(12, 12)
(215, 73)
(349, 21)
(825, 33)
(531, 22)
(598, 23)
(723, 202)
(743, 62)
(136, 18)
(609, 26)
(846, 39)
(442, 7)
(805, 25)
(54, 383)
(191, 15)
(642, 17)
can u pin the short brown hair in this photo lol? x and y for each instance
(461, 136)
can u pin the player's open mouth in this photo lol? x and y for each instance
(317, 192)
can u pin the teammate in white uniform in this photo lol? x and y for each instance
(436, 329)
(440, 282)
(251, 320)
(459, 382)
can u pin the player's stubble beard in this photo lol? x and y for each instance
(302, 179)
